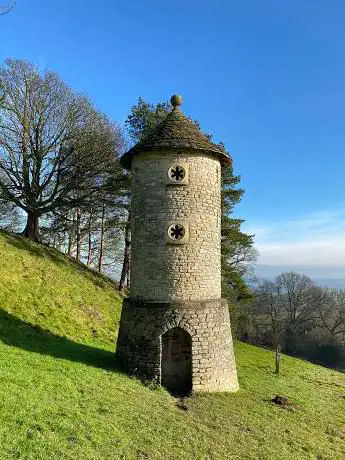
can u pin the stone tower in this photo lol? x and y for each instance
(175, 327)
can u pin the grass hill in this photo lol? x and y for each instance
(43, 287)
(61, 397)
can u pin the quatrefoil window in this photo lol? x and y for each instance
(176, 232)
(177, 173)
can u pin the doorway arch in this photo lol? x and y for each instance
(176, 361)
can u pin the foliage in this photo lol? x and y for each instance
(238, 252)
(144, 117)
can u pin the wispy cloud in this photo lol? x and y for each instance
(314, 243)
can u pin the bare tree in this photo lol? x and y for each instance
(52, 143)
(288, 303)
(330, 311)
(304, 318)
(269, 300)
(298, 301)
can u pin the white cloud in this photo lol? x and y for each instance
(314, 244)
(312, 252)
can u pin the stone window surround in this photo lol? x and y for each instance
(184, 239)
(184, 181)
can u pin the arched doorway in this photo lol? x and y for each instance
(176, 361)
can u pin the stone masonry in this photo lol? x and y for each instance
(161, 271)
(175, 328)
(207, 322)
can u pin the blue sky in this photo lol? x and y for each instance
(266, 77)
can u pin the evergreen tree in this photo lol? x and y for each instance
(238, 252)
(144, 117)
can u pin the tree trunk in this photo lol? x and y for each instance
(71, 238)
(78, 234)
(128, 268)
(70, 243)
(126, 257)
(32, 227)
(101, 248)
(89, 246)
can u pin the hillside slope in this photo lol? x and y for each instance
(62, 398)
(47, 289)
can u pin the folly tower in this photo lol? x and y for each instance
(175, 327)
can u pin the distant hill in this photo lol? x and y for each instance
(332, 277)
(61, 396)
(338, 283)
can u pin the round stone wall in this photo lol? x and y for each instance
(164, 268)
(143, 324)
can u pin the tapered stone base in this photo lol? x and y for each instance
(178, 344)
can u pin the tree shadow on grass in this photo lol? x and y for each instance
(44, 251)
(18, 333)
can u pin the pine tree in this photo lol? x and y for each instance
(237, 248)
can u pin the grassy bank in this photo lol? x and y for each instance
(62, 398)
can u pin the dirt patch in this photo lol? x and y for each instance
(284, 402)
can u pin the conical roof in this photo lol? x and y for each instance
(175, 132)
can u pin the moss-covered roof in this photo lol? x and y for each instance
(175, 132)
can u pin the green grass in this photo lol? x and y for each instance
(45, 288)
(62, 398)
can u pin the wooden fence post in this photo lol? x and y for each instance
(277, 360)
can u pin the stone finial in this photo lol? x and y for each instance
(176, 100)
